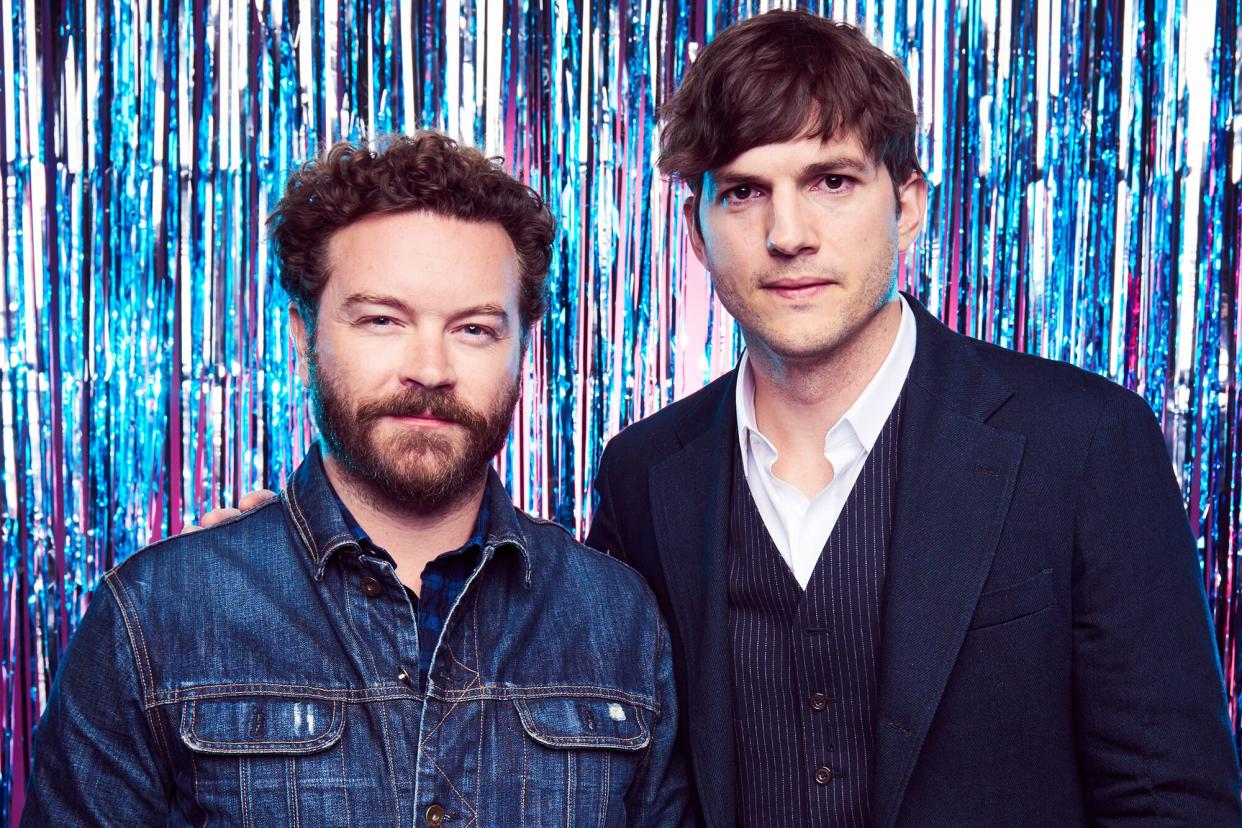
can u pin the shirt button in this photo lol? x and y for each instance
(823, 774)
(403, 676)
(435, 816)
(819, 701)
(370, 587)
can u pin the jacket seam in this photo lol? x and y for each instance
(138, 651)
(299, 520)
(385, 693)
(1078, 511)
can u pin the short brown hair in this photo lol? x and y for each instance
(780, 76)
(427, 172)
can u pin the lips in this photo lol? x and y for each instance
(798, 287)
(422, 418)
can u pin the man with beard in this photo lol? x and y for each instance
(389, 642)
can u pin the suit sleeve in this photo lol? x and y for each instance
(603, 534)
(1153, 736)
(97, 758)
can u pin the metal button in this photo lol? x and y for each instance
(403, 676)
(370, 587)
(819, 701)
(823, 774)
(435, 816)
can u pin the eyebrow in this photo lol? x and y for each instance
(486, 309)
(840, 164)
(355, 299)
(728, 179)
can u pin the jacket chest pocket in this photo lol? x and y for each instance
(262, 760)
(579, 756)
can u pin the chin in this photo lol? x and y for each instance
(807, 352)
(802, 345)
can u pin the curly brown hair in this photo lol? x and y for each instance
(426, 171)
(779, 76)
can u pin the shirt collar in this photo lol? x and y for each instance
(476, 541)
(866, 417)
(325, 526)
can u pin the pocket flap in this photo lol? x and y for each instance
(1015, 601)
(583, 722)
(261, 724)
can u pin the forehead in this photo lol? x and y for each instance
(797, 154)
(424, 258)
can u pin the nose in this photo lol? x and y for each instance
(791, 230)
(427, 361)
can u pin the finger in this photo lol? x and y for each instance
(218, 515)
(256, 498)
(190, 527)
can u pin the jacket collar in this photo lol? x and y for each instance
(315, 511)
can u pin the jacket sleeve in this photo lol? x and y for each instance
(1153, 737)
(603, 534)
(98, 753)
(660, 795)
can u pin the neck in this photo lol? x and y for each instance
(412, 538)
(799, 400)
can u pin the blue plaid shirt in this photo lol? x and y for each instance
(444, 579)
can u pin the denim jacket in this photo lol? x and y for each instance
(258, 673)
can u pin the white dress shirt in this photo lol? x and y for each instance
(800, 527)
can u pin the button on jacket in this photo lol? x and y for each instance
(259, 673)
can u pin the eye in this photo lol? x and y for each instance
(836, 183)
(740, 193)
(377, 321)
(474, 331)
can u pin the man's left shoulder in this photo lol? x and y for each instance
(573, 562)
(1059, 394)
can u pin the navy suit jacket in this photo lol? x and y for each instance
(1046, 658)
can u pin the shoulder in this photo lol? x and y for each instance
(243, 551)
(576, 569)
(1061, 395)
(655, 436)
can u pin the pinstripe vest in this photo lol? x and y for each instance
(805, 663)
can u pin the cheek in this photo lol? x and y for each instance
(363, 369)
(727, 262)
(483, 372)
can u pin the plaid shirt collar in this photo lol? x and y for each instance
(325, 526)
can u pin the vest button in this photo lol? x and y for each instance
(370, 587)
(819, 701)
(435, 816)
(823, 774)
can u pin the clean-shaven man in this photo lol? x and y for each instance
(389, 642)
(912, 579)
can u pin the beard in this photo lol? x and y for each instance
(425, 471)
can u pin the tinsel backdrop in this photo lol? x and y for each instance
(1084, 157)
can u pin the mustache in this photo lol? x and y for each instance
(417, 401)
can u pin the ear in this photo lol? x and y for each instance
(690, 211)
(912, 206)
(301, 342)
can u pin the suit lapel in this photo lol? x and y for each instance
(955, 482)
(690, 510)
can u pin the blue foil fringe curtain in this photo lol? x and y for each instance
(1084, 156)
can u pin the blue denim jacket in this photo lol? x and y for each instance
(258, 673)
